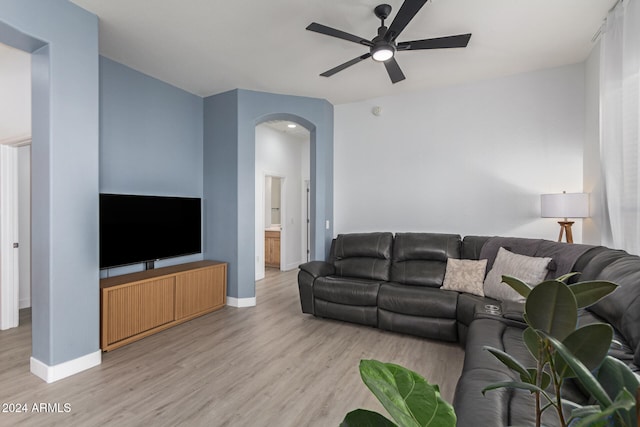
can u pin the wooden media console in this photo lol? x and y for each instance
(136, 305)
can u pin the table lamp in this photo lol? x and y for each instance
(565, 205)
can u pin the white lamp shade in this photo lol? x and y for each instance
(565, 205)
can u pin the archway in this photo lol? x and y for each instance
(283, 167)
(229, 169)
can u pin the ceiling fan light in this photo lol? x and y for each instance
(382, 53)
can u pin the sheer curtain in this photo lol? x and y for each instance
(619, 123)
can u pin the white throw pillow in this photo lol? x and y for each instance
(465, 275)
(531, 270)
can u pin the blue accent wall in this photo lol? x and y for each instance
(63, 40)
(150, 141)
(229, 181)
(150, 135)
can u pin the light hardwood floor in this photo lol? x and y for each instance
(268, 365)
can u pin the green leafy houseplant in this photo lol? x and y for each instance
(562, 351)
(409, 398)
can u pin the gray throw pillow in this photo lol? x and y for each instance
(531, 270)
(465, 275)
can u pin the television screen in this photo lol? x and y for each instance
(135, 229)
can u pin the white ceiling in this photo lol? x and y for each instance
(211, 46)
(283, 126)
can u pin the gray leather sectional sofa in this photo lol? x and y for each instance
(395, 283)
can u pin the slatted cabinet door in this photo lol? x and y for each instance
(200, 291)
(137, 308)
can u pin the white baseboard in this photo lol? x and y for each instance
(292, 266)
(24, 303)
(66, 369)
(241, 302)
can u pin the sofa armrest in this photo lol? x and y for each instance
(307, 276)
(318, 268)
(513, 310)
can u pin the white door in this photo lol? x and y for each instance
(306, 236)
(9, 262)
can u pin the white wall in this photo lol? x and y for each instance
(24, 218)
(281, 154)
(15, 87)
(470, 159)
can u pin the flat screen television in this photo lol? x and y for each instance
(136, 229)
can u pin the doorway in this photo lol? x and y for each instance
(306, 237)
(273, 207)
(15, 180)
(282, 166)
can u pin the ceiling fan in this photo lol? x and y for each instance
(383, 47)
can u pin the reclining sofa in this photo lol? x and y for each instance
(395, 283)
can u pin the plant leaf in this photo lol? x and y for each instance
(590, 344)
(582, 373)
(570, 404)
(583, 411)
(510, 362)
(365, 418)
(552, 308)
(624, 402)
(614, 375)
(564, 277)
(518, 285)
(517, 385)
(546, 378)
(409, 398)
(588, 293)
(532, 341)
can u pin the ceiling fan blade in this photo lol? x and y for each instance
(347, 64)
(406, 13)
(461, 40)
(395, 73)
(323, 29)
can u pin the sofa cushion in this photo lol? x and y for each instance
(515, 245)
(499, 334)
(472, 246)
(481, 368)
(363, 255)
(530, 270)
(564, 256)
(465, 275)
(621, 308)
(474, 409)
(598, 262)
(428, 327)
(418, 300)
(348, 313)
(347, 291)
(421, 258)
